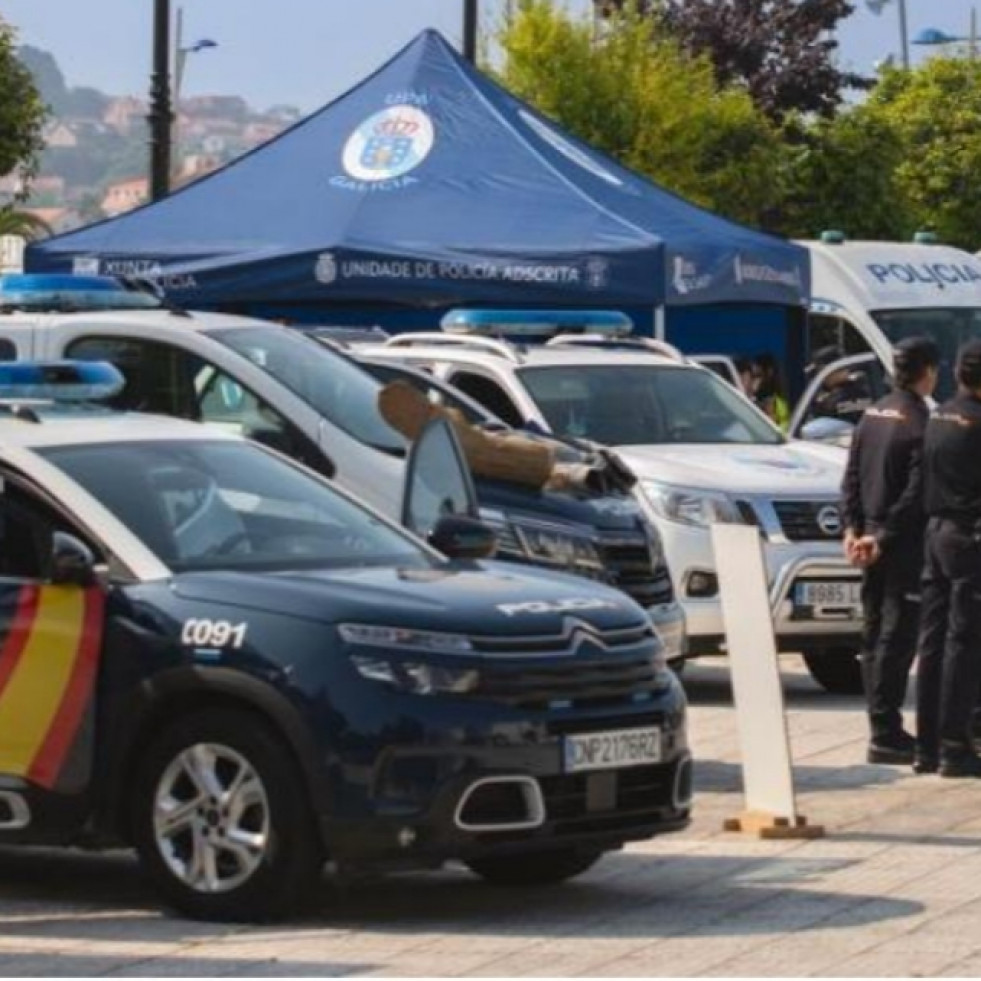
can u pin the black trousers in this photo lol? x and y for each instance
(949, 672)
(891, 606)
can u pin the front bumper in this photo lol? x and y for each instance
(670, 625)
(408, 806)
(689, 551)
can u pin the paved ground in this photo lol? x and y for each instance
(894, 889)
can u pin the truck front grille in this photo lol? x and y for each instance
(809, 521)
(627, 558)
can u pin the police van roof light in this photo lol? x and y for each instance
(924, 237)
(536, 323)
(831, 236)
(59, 381)
(62, 293)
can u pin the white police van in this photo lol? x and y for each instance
(866, 297)
(702, 452)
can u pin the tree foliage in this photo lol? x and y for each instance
(22, 112)
(637, 96)
(842, 174)
(935, 114)
(783, 51)
(23, 223)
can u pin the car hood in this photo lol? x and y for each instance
(790, 468)
(490, 598)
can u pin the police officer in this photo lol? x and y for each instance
(882, 510)
(949, 671)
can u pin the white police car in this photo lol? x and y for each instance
(702, 453)
(211, 654)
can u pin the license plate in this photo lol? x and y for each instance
(829, 594)
(611, 750)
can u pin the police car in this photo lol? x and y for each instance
(274, 385)
(702, 453)
(210, 653)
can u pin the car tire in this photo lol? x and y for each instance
(544, 868)
(221, 819)
(837, 670)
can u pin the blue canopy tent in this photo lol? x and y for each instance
(428, 185)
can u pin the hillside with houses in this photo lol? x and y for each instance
(95, 161)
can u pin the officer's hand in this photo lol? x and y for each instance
(867, 552)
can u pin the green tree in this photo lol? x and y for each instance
(843, 175)
(23, 223)
(633, 93)
(935, 112)
(22, 113)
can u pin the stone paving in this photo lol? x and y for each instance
(895, 889)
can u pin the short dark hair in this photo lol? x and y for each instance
(969, 365)
(912, 357)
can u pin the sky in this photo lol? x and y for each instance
(307, 52)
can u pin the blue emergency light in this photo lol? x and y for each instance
(51, 292)
(59, 381)
(537, 323)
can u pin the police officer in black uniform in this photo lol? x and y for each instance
(882, 510)
(949, 671)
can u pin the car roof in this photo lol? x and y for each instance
(195, 320)
(54, 427)
(531, 355)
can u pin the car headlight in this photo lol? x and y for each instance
(543, 544)
(404, 639)
(690, 506)
(417, 678)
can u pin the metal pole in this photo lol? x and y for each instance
(903, 34)
(470, 18)
(160, 116)
(180, 55)
(974, 33)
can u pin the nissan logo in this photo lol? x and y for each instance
(829, 521)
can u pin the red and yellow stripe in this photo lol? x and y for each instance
(48, 664)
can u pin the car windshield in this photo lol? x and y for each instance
(630, 405)
(339, 390)
(215, 504)
(950, 327)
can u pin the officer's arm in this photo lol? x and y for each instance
(907, 511)
(851, 490)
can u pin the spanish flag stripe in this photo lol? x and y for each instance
(34, 692)
(76, 698)
(20, 630)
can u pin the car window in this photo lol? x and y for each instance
(157, 375)
(8, 350)
(341, 391)
(627, 405)
(437, 394)
(489, 394)
(203, 504)
(845, 392)
(27, 526)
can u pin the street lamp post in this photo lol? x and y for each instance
(470, 19)
(181, 51)
(160, 115)
(876, 7)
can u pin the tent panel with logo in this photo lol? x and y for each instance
(429, 185)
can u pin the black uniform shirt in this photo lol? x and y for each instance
(952, 461)
(882, 492)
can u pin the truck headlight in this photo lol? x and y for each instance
(404, 639)
(690, 506)
(417, 678)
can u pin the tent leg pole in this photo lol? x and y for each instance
(659, 329)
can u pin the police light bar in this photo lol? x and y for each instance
(59, 381)
(69, 294)
(537, 323)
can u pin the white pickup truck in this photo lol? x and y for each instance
(702, 452)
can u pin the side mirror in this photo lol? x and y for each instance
(460, 537)
(72, 561)
(837, 432)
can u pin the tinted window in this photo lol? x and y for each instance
(228, 505)
(339, 390)
(8, 352)
(949, 328)
(635, 405)
(489, 394)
